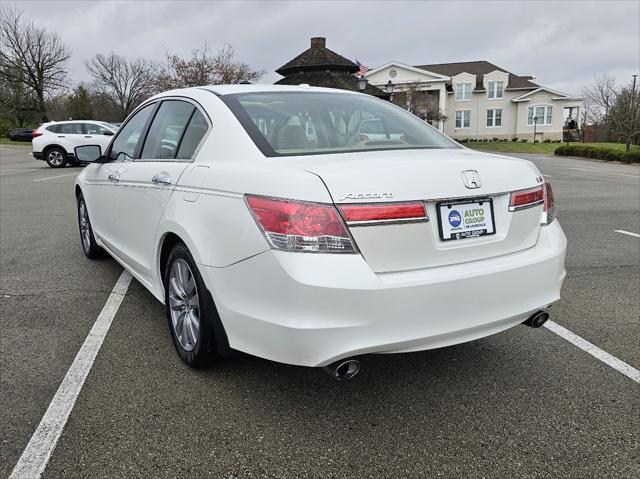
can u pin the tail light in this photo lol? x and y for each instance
(36, 133)
(380, 213)
(526, 198)
(549, 208)
(540, 195)
(299, 226)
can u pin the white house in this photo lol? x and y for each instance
(481, 100)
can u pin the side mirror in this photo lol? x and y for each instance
(108, 133)
(89, 153)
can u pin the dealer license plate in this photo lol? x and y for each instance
(465, 219)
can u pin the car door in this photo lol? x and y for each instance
(102, 180)
(150, 179)
(71, 133)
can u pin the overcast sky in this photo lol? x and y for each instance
(562, 43)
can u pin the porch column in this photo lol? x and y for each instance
(442, 106)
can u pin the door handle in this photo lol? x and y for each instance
(161, 178)
(88, 136)
(61, 136)
(114, 177)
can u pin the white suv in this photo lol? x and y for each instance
(55, 142)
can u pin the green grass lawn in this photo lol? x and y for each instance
(543, 148)
(7, 141)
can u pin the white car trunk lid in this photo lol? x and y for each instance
(431, 176)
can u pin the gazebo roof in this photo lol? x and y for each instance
(330, 80)
(317, 56)
(319, 66)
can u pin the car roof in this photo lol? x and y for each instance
(74, 121)
(259, 88)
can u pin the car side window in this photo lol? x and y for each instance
(124, 144)
(194, 133)
(166, 131)
(54, 128)
(70, 128)
(93, 129)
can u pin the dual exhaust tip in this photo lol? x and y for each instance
(346, 369)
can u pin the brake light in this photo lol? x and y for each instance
(526, 198)
(35, 133)
(549, 208)
(384, 212)
(299, 226)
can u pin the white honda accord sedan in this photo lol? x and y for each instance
(267, 222)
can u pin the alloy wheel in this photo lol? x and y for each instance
(55, 158)
(85, 226)
(184, 304)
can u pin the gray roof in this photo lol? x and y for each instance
(479, 68)
(318, 56)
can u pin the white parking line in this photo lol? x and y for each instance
(595, 351)
(635, 235)
(36, 455)
(13, 148)
(605, 173)
(16, 172)
(52, 177)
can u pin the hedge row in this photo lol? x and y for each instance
(599, 153)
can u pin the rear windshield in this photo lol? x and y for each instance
(312, 123)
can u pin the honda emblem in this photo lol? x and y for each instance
(471, 179)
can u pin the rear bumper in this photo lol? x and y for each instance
(311, 310)
(37, 155)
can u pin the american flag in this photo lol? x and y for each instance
(363, 69)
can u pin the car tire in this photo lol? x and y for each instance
(191, 313)
(87, 239)
(55, 157)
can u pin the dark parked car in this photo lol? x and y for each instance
(20, 134)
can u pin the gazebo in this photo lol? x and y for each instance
(319, 66)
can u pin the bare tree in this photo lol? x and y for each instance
(419, 102)
(204, 68)
(589, 116)
(601, 94)
(624, 115)
(17, 108)
(123, 83)
(32, 56)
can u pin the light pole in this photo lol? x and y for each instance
(633, 108)
(535, 124)
(361, 83)
(389, 89)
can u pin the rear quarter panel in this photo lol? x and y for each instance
(209, 212)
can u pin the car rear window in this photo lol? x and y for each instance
(308, 123)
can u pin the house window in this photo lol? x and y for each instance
(463, 118)
(494, 89)
(543, 115)
(463, 91)
(494, 117)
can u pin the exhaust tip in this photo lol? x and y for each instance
(537, 319)
(343, 370)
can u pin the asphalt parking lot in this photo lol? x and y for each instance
(523, 403)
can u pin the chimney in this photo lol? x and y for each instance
(318, 42)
